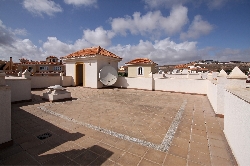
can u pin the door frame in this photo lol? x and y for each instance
(83, 73)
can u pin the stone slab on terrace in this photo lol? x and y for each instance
(117, 126)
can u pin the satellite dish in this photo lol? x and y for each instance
(108, 75)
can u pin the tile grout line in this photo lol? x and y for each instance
(191, 130)
(208, 140)
(142, 157)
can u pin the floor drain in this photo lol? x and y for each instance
(44, 136)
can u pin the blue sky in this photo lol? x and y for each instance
(166, 31)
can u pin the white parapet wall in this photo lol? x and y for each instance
(46, 81)
(190, 76)
(20, 88)
(66, 81)
(135, 83)
(5, 111)
(237, 127)
(182, 85)
(212, 95)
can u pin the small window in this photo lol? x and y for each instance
(44, 68)
(30, 69)
(57, 68)
(54, 60)
(140, 71)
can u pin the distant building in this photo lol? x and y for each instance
(7, 66)
(208, 61)
(180, 68)
(123, 70)
(141, 67)
(235, 62)
(223, 63)
(52, 66)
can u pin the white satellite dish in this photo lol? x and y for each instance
(108, 75)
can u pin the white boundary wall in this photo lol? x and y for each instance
(66, 81)
(177, 85)
(20, 88)
(237, 127)
(46, 81)
(137, 83)
(182, 85)
(190, 76)
(5, 111)
(212, 95)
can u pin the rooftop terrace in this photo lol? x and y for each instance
(117, 127)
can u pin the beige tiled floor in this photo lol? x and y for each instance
(136, 114)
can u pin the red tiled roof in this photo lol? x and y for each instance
(181, 66)
(92, 51)
(141, 61)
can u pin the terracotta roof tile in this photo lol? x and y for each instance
(92, 51)
(181, 66)
(141, 61)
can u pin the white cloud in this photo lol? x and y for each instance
(197, 28)
(165, 3)
(81, 2)
(98, 37)
(162, 52)
(11, 45)
(216, 4)
(55, 47)
(152, 22)
(6, 36)
(212, 4)
(229, 54)
(21, 32)
(40, 7)
(20, 49)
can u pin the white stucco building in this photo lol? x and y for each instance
(141, 67)
(84, 65)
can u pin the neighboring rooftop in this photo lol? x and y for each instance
(92, 51)
(29, 62)
(51, 57)
(182, 66)
(141, 61)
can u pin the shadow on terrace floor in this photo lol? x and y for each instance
(36, 141)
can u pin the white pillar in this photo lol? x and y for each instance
(19, 74)
(5, 112)
(26, 74)
(61, 78)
